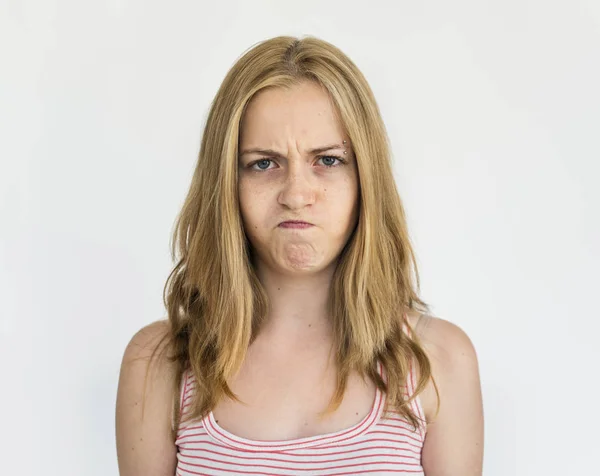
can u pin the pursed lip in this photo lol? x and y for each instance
(298, 222)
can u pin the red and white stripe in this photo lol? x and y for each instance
(379, 444)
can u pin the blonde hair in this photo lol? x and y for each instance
(215, 302)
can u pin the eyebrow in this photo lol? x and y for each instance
(318, 150)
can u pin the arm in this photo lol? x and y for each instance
(454, 440)
(144, 445)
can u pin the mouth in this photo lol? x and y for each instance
(295, 224)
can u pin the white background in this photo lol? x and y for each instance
(493, 111)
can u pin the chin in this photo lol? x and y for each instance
(300, 267)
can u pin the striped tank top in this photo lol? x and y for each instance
(379, 444)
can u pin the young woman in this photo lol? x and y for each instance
(296, 342)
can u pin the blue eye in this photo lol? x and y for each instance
(327, 158)
(262, 161)
(262, 165)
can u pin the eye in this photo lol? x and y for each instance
(329, 160)
(260, 163)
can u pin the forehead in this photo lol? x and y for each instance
(304, 112)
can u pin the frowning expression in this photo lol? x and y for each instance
(292, 166)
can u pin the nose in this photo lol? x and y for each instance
(297, 190)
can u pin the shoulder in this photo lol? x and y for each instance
(146, 340)
(444, 341)
(146, 350)
(144, 404)
(454, 442)
(452, 355)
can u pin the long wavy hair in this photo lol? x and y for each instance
(215, 302)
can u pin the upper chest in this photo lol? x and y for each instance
(283, 397)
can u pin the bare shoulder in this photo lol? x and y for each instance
(444, 341)
(454, 441)
(451, 353)
(144, 341)
(144, 405)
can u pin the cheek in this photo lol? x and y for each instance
(342, 196)
(252, 204)
(245, 200)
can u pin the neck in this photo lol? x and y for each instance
(297, 304)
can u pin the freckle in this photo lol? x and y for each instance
(309, 325)
(132, 448)
(278, 289)
(357, 413)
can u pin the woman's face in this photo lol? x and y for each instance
(282, 177)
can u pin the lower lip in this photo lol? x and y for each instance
(295, 225)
